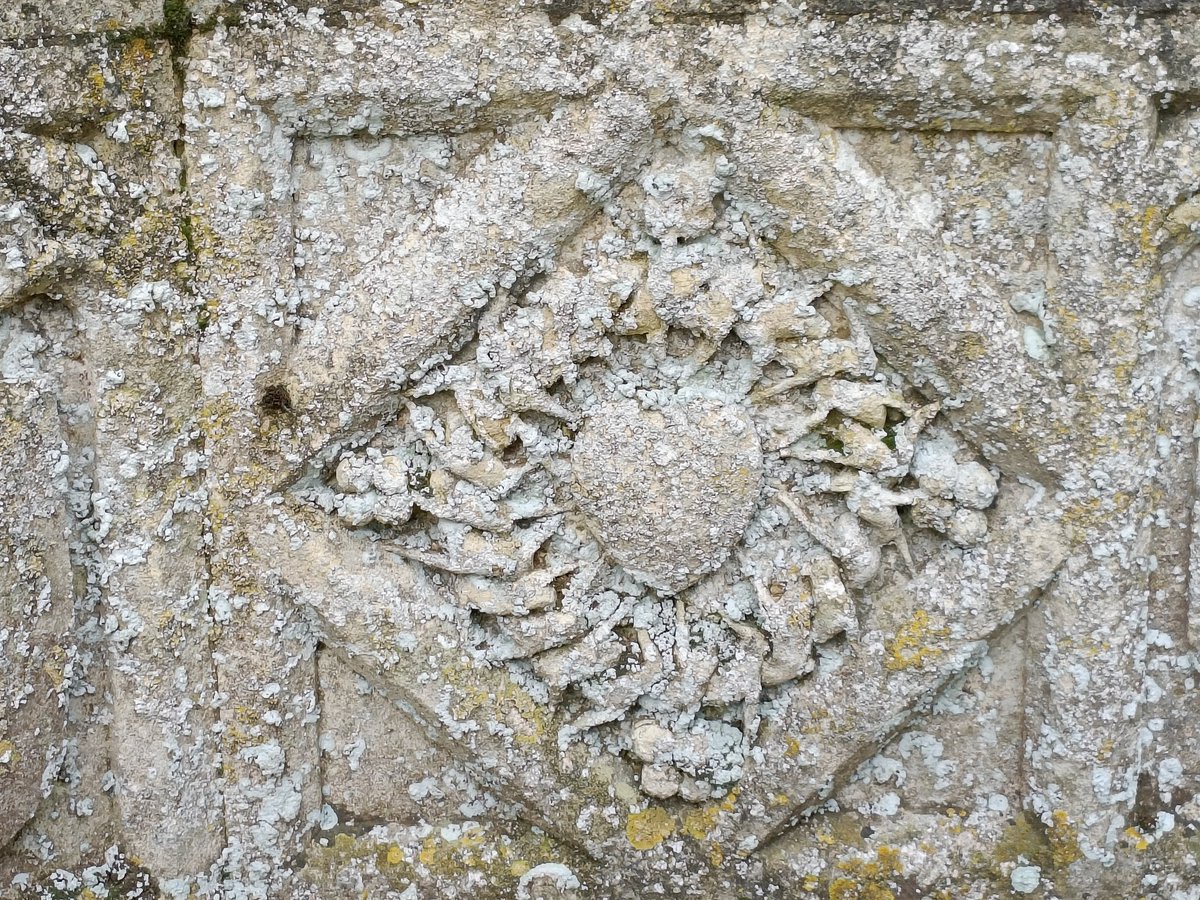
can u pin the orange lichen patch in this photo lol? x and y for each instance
(649, 828)
(911, 645)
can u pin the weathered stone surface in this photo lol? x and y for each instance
(667, 491)
(32, 22)
(562, 449)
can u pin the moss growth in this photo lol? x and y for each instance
(177, 24)
(1025, 840)
(1029, 841)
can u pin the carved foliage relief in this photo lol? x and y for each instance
(600, 448)
(661, 477)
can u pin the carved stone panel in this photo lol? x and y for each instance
(562, 450)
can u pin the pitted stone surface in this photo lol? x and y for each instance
(668, 491)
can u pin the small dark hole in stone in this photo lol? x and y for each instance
(1145, 803)
(276, 399)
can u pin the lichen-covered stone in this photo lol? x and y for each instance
(614, 449)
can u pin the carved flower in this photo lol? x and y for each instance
(661, 477)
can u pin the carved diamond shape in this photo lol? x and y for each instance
(653, 506)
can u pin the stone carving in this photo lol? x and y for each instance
(660, 477)
(613, 449)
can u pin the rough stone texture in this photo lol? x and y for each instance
(600, 449)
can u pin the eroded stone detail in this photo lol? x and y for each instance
(449, 444)
(661, 476)
(667, 490)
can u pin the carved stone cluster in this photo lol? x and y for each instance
(661, 477)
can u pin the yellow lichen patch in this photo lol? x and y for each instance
(647, 829)
(791, 747)
(911, 645)
(730, 800)
(1064, 839)
(216, 418)
(94, 93)
(9, 757)
(149, 249)
(438, 851)
(503, 699)
(843, 831)
(133, 67)
(716, 855)
(1151, 221)
(474, 848)
(347, 852)
(243, 730)
(956, 818)
(818, 723)
(54, 665)
(204, 240)
(1139, 838)
(868, 879)
(971, 346)
(699, 824)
